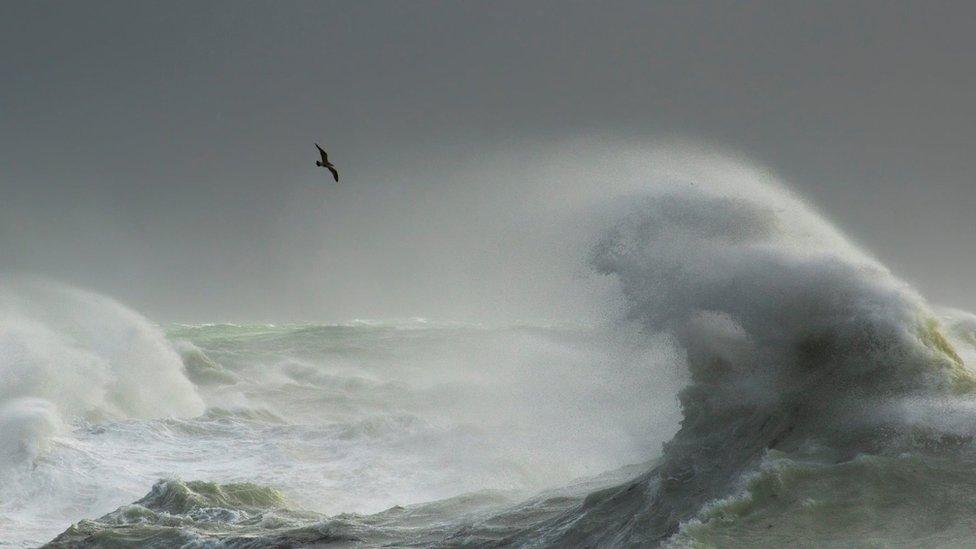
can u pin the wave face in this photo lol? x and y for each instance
(777, 384)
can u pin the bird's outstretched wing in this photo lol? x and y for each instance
(325, 155)
(332, 169)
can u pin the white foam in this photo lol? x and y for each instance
(77, 355)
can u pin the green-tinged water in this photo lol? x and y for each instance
(393, 433)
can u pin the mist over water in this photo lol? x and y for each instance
(798, 387)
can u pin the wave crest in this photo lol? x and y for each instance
(74, 354)
(791, 335)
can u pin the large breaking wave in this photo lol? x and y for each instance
(793, 338)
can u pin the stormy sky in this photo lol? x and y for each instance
(161, 152)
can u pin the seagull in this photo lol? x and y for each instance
(325, 163)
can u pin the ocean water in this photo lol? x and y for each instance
(766, 384)
(307, 421)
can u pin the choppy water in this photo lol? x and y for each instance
(805, 397)
(323, 420)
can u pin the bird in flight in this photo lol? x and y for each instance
(325, 163)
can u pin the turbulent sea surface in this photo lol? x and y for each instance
(768, 384)
(300, 434)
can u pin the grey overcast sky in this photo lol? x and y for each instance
(161, 152)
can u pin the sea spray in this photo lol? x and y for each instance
(69, 358)
(362, 418)
(88, 355)
(26, 426)
(791, 335)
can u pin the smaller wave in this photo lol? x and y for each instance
(180, 498)
(180, 514)
(200, 368)
(26, 426)
(238, 515)
(66, 355)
